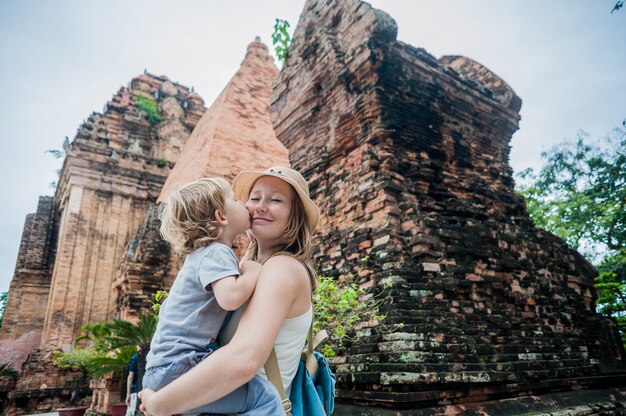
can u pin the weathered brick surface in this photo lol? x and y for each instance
(236, 132)
(115, 167)
(148, 266)
(407, 156)
(28, 292)
(43, 387)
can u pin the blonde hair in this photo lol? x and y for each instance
(188, 217)
(296, 241)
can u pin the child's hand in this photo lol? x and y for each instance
(252, 267)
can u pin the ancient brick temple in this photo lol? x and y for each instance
(93, 251)
(115, 167)
(71, 248)
(407, 156)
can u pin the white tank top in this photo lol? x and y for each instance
(289, 343)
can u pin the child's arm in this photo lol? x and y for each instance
(231, 292)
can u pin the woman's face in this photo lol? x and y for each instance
(269, 205)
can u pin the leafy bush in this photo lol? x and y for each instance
(111, 345)
(341, 308)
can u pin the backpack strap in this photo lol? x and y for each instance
(272, 370)
(273, 374)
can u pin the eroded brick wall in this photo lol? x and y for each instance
(407, 156)
(114, 168)
(28, 293)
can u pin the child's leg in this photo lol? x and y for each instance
(258, 397)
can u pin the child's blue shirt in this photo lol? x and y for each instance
(190, 317)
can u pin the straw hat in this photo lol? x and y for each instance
(243, 183)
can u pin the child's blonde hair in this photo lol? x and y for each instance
(188, 217)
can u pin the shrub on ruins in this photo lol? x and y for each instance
(108, 346)
(149, 106)
(347, 311)
(281, 39)
(342, 308)
(580, 195)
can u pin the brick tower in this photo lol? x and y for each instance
(30, 286)
(407, 156)
(115, 167)
(113, 170)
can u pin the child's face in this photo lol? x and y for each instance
(236, 213)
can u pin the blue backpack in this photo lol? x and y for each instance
(313, 387)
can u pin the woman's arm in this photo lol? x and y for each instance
(281, 280)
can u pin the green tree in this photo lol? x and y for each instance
(580, 195)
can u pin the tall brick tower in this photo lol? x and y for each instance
(115, 166)
(30, 286)
(113, 171)
(407, 156)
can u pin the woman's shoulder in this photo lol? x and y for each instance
(284, 260)
(285, 267)
(289, 281)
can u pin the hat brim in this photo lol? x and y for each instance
(245, 180)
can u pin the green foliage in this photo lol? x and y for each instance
(79, 358)
(281, 40)
(3, 305)
(340, 307)
(611, 285)
(110, 345)
(7, 370)
(580, 195)
(161, 162)
(159, 298)
(149, 106)
(93, 361)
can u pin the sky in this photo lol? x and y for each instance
(64, 59)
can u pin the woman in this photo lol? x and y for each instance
(283, 219)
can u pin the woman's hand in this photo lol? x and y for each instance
(145, 407)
